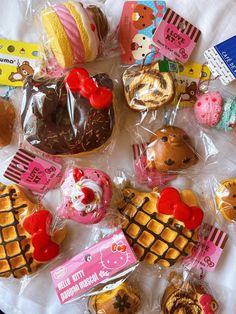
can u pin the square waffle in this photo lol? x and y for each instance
(154, 237)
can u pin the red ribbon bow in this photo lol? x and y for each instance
(37, 225)
(170, 203)
(78, 80)
(118, 248)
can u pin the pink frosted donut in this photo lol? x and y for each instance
(87, 194)
(208, 108)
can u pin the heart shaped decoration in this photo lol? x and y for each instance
(40, 220)
(174, 39)
(168, 198)
(101, 99)
(47, 253)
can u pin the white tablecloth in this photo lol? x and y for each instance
(216, 19)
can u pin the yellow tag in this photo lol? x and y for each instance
(189, 76)
(17, 61)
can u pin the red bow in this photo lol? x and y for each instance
(78, 80)
(170, 203)
(37, 225)
(120, 248)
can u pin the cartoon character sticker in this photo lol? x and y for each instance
(117, 258)
(141, 19)
(22, 71)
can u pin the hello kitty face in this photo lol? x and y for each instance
(141, 46)
(117, 257)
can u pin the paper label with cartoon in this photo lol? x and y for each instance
(92, 266)
(189, 76)
(17, 61)
(176, 37)
(138, 23)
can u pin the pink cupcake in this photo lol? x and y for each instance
(87, 194)
(208, 109)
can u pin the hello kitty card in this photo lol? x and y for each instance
(138, 23)
(94, 265)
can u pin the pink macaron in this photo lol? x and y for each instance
(87, 194)
(208, 109)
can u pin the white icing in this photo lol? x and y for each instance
(77, 194)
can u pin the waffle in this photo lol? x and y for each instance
(16, 250)
(187, 297)
(154, 237)
(147, 88)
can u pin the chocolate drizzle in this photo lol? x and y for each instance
(61, 122)
(177, 228)
(18, 239)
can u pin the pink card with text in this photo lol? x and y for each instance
(34, 173)
(93, 266)
(175, 37)
(209, 250)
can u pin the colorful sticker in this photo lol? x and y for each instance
(139, 21)
(189, 76)
(17, 61)
(222, 60)
(144, 175)
(175, 37)
(209, 249)
(93, 266)
(32, 172)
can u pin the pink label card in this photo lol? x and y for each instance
(34, 173)
(175, 37)
(208, 251)
(93, 266)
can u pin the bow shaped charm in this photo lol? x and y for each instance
(170, 203)
(118, 248)
(78, 80)
(37, 225)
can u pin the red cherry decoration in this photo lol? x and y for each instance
(40, 220)
(77, 174)
(182, 212)
(195, 220)
(88, 196)
(47, 253)
(75, 77)
(101, 99)
(168, 198)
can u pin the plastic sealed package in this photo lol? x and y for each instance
(69, 116)
(74, 33)
(30, 235)
(87, 194)
(187, 293)
(164, 225)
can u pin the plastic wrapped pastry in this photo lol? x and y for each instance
(87, 194)
(26, 239)
(161, 227)
(123, 299)
(69, 116)
(7, 119)
(226, 199)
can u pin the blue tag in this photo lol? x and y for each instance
(222, 60)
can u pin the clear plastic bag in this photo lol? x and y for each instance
(73, 32)
(69, 116)
(186, 292)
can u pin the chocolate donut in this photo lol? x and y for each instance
(61, 122)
